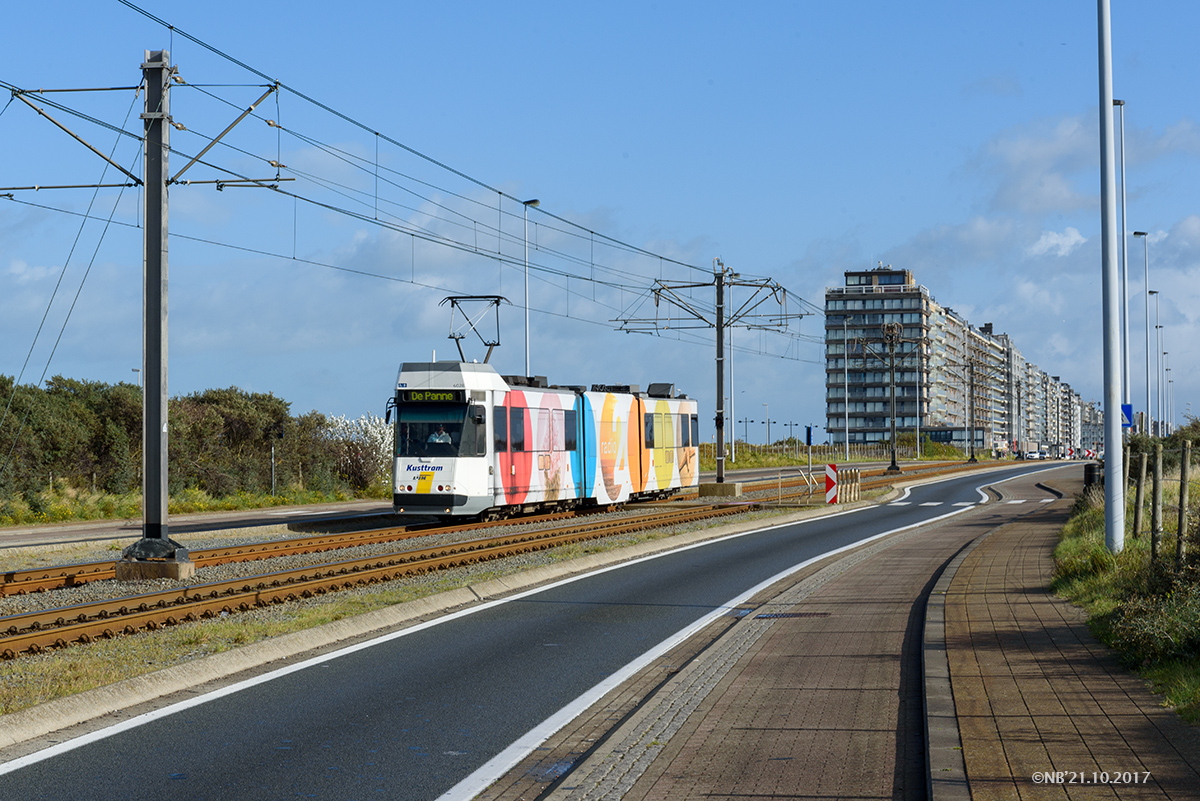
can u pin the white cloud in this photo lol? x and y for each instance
(1040, 167)
(1057, 244)
(23, 274)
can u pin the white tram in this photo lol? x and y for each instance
(470, 442)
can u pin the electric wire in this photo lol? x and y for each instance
(455, 217)
(363, 126)
(66, 319)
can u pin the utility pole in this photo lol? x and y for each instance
(747, 314)
(155, 555)
(719, 420)
(891, 338)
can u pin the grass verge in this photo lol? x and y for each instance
(1147, 611)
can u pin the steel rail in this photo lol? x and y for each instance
(19, 582)
(37, 631)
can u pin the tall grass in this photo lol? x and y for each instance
(1148, 611)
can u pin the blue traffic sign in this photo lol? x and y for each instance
(1126, 415)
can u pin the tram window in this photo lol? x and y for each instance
(477, 426)
(435, 429)
(571, 438)
(695, 429)
(557, 431)
(516, 429)
(500, 423)
(681, 431)
(544, 428)
(649, 430)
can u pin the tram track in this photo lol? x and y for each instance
(36, 632)
(20, 582)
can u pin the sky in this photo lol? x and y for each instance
(790, 140)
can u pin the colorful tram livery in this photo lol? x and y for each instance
(471, 442)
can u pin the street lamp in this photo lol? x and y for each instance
(527, 203)
(1171, 403)
(768, 422)
(1154, 430)
(1146, 248)
(1124, 288)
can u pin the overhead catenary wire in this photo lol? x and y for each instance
(388, 213)
(50, 303)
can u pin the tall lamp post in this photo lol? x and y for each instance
(1170, 404)
(1124, 254)
(1154, 429)
(1146, 249)
(527, 204)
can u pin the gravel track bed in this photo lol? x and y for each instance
(432, 582)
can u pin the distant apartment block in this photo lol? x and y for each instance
(954, 383)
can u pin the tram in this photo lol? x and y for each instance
(472, 443)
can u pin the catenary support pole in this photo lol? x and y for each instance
(719, 270)
(155, 554)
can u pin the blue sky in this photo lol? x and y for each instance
(791, 140)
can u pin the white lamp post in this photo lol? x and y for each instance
(527, 203)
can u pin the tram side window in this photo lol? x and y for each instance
(500, 423)
(478, 431)
(649, 430)
(516, 429)
(695, 429)
(683, 432)
(570, 431)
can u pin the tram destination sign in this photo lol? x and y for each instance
(433, 396)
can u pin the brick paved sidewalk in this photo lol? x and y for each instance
(1036, 693)
(816, 693)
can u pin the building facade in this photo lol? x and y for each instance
(887, 337)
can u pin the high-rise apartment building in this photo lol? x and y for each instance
(951, 381)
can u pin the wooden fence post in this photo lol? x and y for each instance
(1139, 496)
(1156, 521)
(1184, 471)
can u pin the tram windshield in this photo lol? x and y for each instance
(439, 430)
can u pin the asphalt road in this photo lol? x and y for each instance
(413, 714)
